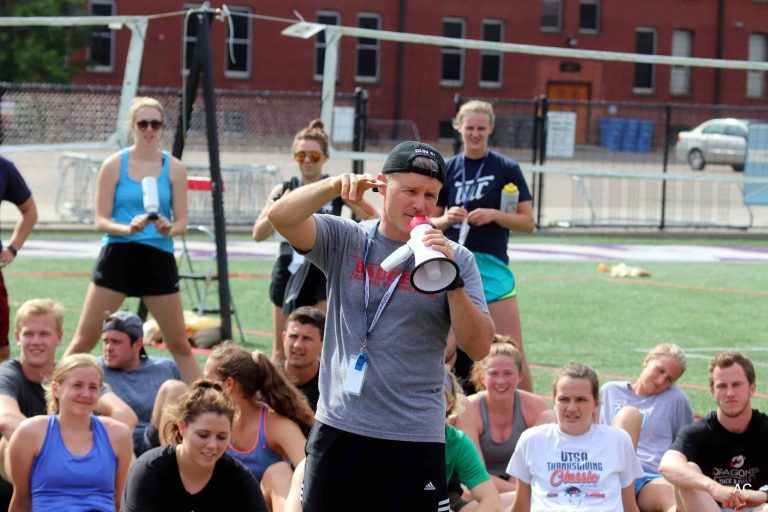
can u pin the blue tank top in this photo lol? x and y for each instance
(60, 480)
(129, 202)
(260, 456)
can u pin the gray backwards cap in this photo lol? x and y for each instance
(128, 323)
(401, 158)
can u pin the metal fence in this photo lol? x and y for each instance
(247, 120)
(624, 177)
(245, 190)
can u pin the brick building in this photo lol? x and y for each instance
(418, 82)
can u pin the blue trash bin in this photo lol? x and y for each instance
(611, 129)
(645, 136)
(629, 135)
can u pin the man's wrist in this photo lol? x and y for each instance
(457, 282)
(12, 249)
(764, 490)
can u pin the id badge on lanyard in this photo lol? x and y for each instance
(358, 364)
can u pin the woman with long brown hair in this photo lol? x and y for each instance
(272, 420)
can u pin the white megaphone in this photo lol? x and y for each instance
(433, 272)
(151, 200)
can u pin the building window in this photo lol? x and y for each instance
(452, 70)
(238, 44)
(367, 61)
(682, 46)
(491, 63)
(645, 44)
(325, 18)
(101, 52)
(551, 15)
(758, 52)
(589, 16)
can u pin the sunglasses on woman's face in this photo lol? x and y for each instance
(156, 124)
(314, 156)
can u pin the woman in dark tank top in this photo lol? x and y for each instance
(499, 412)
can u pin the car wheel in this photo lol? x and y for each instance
(696, 160)
(738, 167)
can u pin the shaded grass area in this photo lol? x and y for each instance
(570, 312)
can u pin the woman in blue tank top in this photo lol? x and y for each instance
(471, 199)
(70, 460)
(310, 150)
(273, 417)
(136, 258)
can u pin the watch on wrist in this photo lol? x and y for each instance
(12, 249)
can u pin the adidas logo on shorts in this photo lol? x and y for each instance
(429, 487)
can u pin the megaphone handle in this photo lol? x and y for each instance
(396, 258)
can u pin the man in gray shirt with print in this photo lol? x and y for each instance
(378, 441)
(145, 383)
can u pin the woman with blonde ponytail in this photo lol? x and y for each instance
(272, 419)
(71, 459)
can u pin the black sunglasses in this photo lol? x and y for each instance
(156, 124)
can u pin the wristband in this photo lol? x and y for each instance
(458, 282)
(13, 250)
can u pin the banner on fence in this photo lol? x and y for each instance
(756, 164)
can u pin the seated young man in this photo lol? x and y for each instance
(720, 462)
(302, 344)
(145, 383)
(653, 411)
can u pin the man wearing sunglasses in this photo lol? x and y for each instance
(381, 371)
(13, 188)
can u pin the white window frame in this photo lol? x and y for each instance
(370, 44)
(98, 68)
(596, 28)
(652, 88)
(757, 51)
(453, 51)
(247, 41)
(488, 53)
(321, 45)
(680, 76)
(550, 28)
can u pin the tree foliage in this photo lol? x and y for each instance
(41, 54)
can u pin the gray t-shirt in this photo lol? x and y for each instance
(402, 396)
(138, 388)
(664, 414)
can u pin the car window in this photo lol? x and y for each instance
(714, 129)
(736, 130)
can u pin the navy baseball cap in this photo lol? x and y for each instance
(401, 158)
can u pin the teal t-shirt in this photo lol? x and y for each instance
(462, 459)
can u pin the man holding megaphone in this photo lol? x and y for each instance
(395, 288)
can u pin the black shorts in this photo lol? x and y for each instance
(346, 471)
(312, 292)
(137, 270)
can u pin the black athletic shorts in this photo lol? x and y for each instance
(312, 292)
(345, 471)
(137, 270)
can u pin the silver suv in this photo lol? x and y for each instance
(717, 141)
